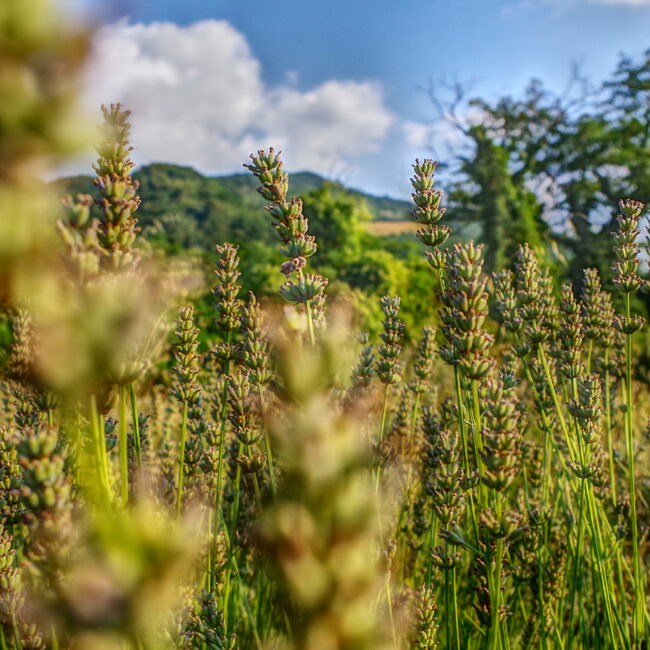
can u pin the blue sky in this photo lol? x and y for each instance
(373, 57)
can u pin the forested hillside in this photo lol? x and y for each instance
(183, 209)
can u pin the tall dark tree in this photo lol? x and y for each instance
(492, 195)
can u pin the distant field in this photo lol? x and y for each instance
(385, 228)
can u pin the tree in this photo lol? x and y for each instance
(578, 152)
(490, 194)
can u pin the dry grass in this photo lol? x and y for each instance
(387, 228)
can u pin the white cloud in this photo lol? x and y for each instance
(198, 98)
(417, 134)
(446, 135)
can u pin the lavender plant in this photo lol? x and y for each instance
(250, 502)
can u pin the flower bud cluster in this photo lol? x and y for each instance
(45, 490)
(465, 303)
(530, 287)
(204, 626)
(242, 411)
(596, 308)
(186, 368)
(626, 265)
(505, 297)
(10, 581)
(444, 475)
(424, 358)
(25, 411)
(10, 481)
(23, 348)
(226, 302)
(502, 438)
(500, 527)
(388, 365)
(255, 347)
(587, 409)
(292, 228)
(570, 335)
(630, 325)
(428, 211)
(426, 624)
(118, 192)
(401, 425)
(80, 236)
(551, 311)
(308, 287)
(363, 372)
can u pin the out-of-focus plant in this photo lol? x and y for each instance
(41, 58)
(319, 531)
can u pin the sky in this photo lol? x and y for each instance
(339, 86)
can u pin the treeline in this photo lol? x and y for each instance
(548, 169)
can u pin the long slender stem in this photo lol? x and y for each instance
(465, 444)
(384, 413)
(576, 566)
(124, 453)
(267, 442)
(310, 316)
(135, 423)
(608, 425)
(454, 605)
(222, 444)
(448, 617)
(495, 594)
(181, 461)
(638, 618)
(99, 445)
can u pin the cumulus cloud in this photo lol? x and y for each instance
(199, 99)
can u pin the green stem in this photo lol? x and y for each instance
(310, 317)
(576, 566)
(222, 441)
(639, 596)
(234, 513)
(495, 595)
(123, 441)
(465, 443)
(384, 412)
(608, 424)
(244, 599)
(267, 442)
(135, 423)
(447, 612)
(556, 403)
(454, 605)
(181, 462)
(100, 452)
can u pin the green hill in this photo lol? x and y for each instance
(183, 209)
